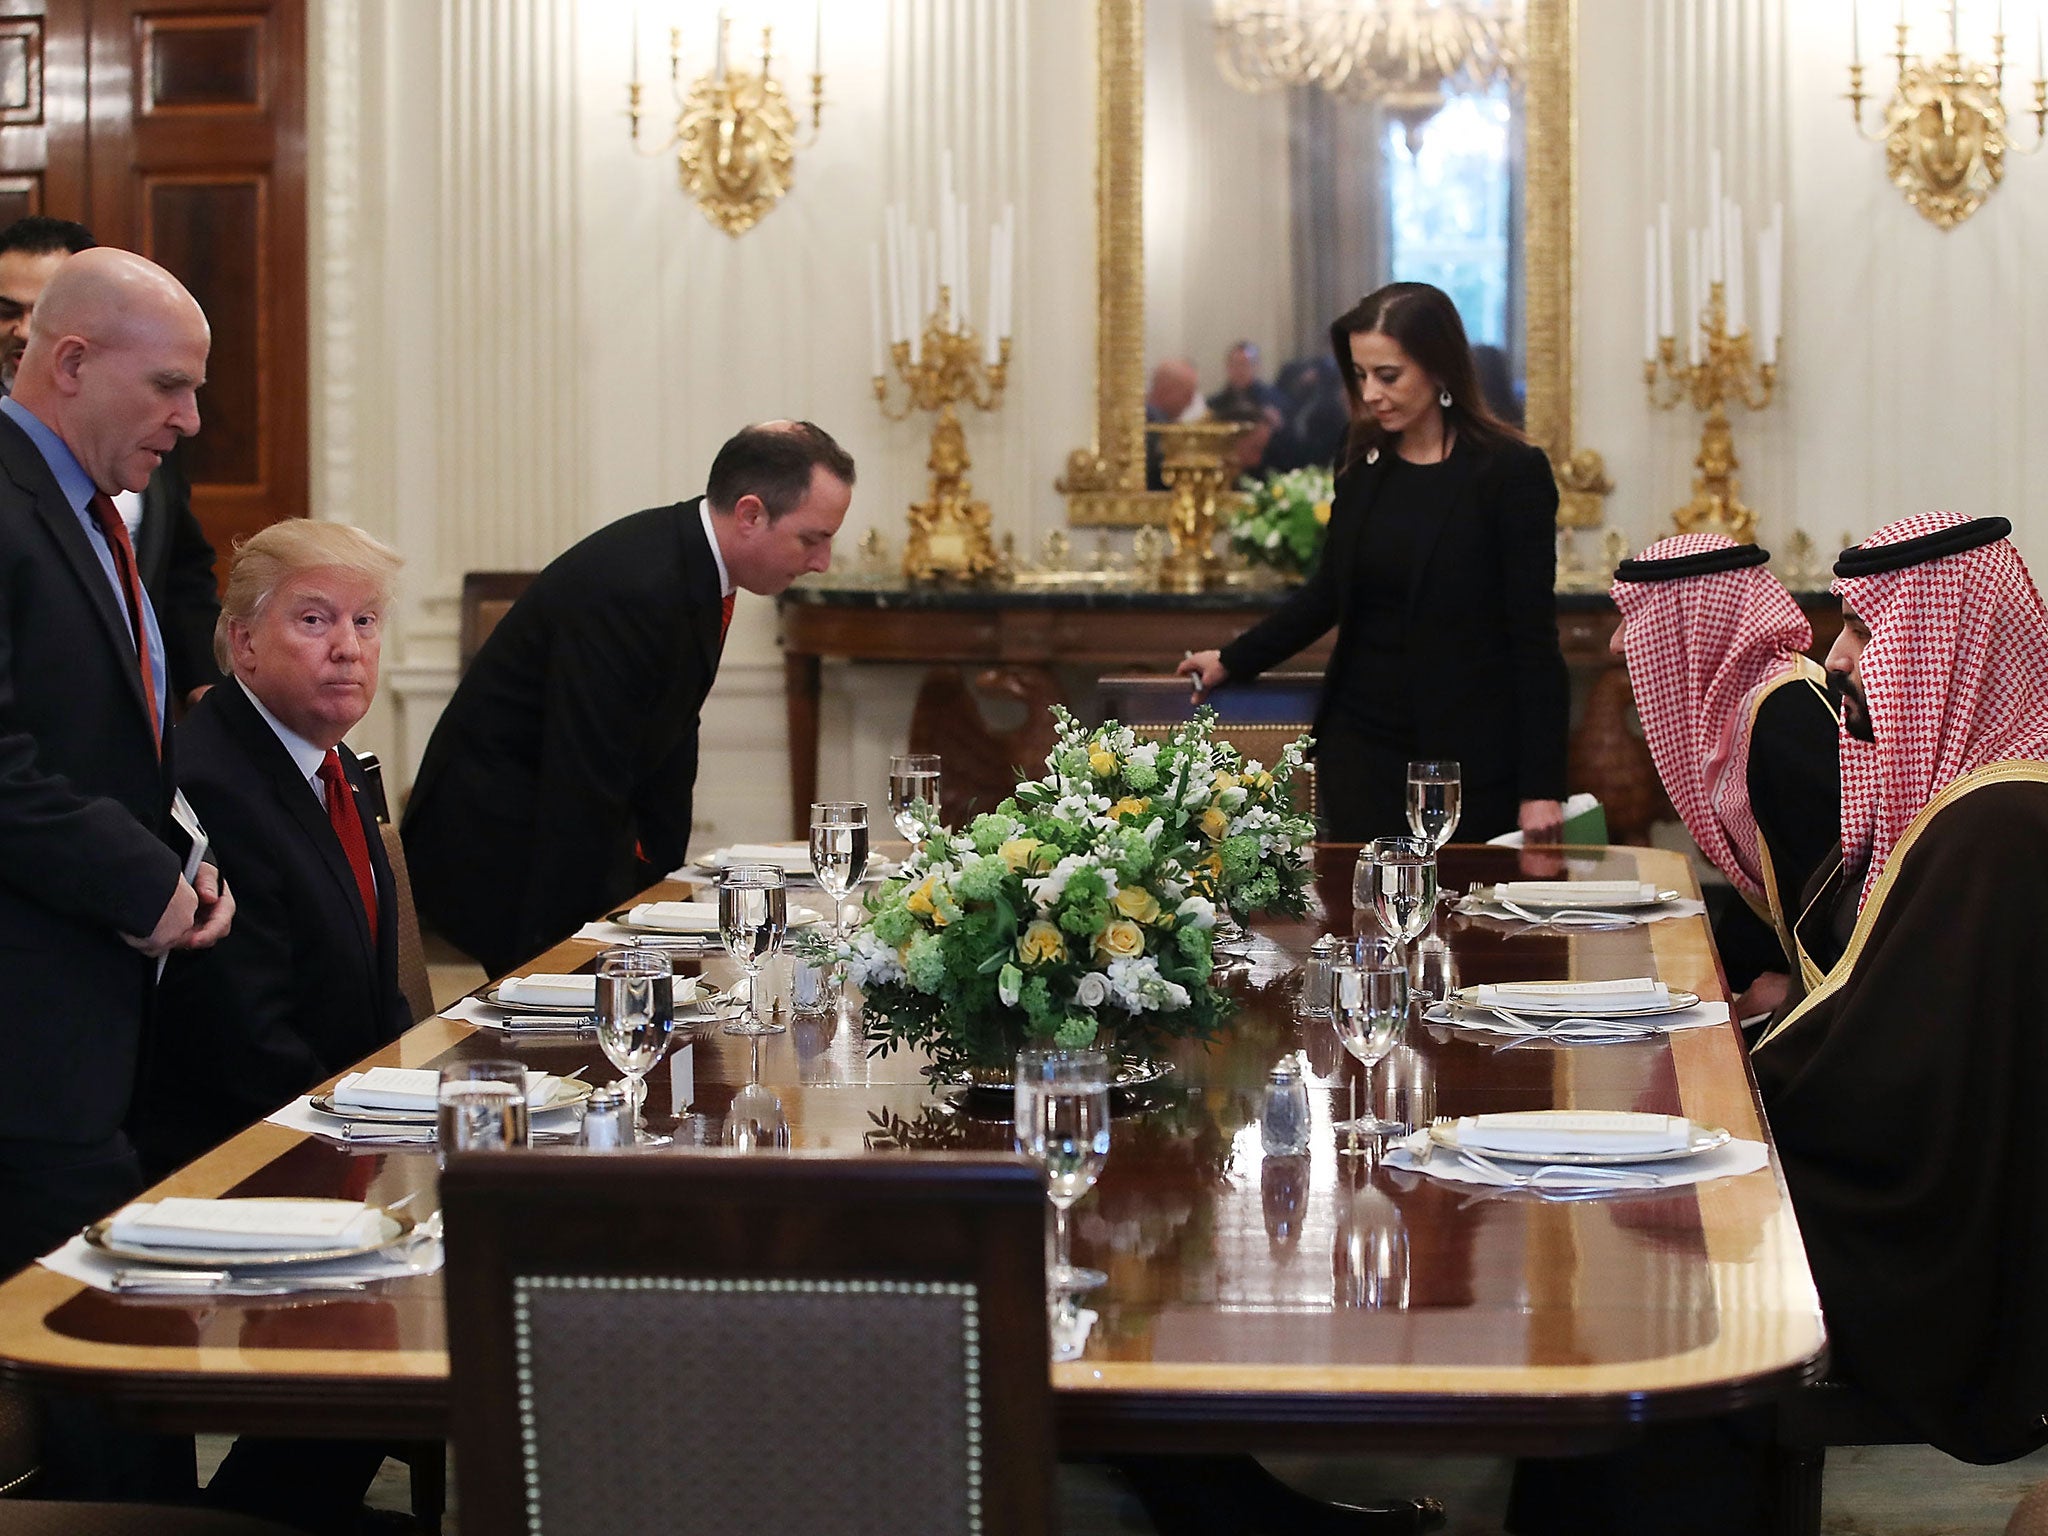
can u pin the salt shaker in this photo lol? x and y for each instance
(1283, 1122)
(607, 1118)
(1314, 996)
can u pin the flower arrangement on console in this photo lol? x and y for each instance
(1280, 521)
(1083, 905)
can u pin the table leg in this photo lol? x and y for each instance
(801, 687)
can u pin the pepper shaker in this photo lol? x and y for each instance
(607, 1119)
(1314, 996)
(1284, 1122)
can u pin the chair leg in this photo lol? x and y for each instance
(428, 1461)
(1796, 1479)
(1212, 1495)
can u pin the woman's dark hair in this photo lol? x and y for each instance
(1424, 322)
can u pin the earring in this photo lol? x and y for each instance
(1443, 398)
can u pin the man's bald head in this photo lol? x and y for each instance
(1174, 384)
(116, 354)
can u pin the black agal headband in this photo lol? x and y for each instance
(1860, 561)
(1730, 557)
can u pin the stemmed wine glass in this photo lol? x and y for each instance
(1433, 791)
(753, 916)
(635, 1018)
(839, 853)
(1369, 1010)
(1403, 885)
(1062, 1120)
(913, 777)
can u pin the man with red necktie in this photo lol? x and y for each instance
(558, 780)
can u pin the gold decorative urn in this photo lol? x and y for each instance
(1198, 463)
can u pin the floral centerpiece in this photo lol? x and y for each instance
(1280, 521)
(1083, 905)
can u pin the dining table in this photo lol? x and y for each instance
(1253, 1302)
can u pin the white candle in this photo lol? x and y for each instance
(949, 265)
(914, 280)
(818, 38)
(932, 279)
(636, 45)
(1713, 237)
(720, 75)
(894, 256)
(1695, 285)
(1736, 296)
(963, 299)
(1009, 267)
(1855, 31)
(1954, 42)
(1650, 292)
(990, 337)
(1664, 290)
(875, 306)
(2040, 55)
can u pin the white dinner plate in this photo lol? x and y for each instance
(568, 1092)
(1578, 1007)
(1700, 1138)
(397, 1228)
(801, 917)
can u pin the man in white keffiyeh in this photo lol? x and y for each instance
(1904, 1091)
(1738, 723)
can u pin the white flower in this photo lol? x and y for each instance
(1196, 912)
(1091, 991)
(870, 962)
(1006, 991)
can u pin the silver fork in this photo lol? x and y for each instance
(1581, 1176)
(1582, 918)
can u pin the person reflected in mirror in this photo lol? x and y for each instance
(1437, 575)
(1245, 396)
(1174, 389)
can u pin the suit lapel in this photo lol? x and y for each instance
(1457, 505)
(23, 464)
(700, 584)
(1368, 478)
(304, 807)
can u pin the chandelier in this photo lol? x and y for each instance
(1400, 52)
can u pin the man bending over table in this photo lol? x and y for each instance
(1739, 725)
(558, 780)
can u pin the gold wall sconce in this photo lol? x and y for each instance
(735, 135)
(1944, 129)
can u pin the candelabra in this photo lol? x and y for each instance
(735, 135)
(1195, 461)
(1720, 369)
(1944, 130)
(947, 363)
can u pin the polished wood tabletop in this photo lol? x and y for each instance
(1252, 1302)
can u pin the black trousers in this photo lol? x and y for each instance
(1362, 790)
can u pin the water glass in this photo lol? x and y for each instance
(1435, 972)
(1433, 788)
(1369, 1009)
(753, 916)
(1062, 1120)
(1408, 1089)
(913, 779)
(635, 1016)
(481, 1108)
(1403, 873)
(839, 851)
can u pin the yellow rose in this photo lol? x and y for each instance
(1215, 824)
(1322, 511)
(920, 901)
(1101, 760)
(1122, 937)
(1262, 780)
(1017, 853)
(1041, 943)
(1135, 902)
(1130, 805)
(1223, 781)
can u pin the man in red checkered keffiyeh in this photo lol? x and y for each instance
(1952, 677)
(1710, 636)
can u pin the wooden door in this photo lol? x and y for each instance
(195, 135)
(42, 129)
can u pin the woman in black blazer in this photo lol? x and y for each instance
(1437, 573)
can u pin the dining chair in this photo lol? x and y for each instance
(1258, 718)
(717, 1341)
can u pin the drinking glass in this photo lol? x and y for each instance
(1369, 1010)
(1403, 885)
(753, 916)
(481, 1107)
(913, 777)
(839, 852)
(635, 1018)
(1433, 800)
(1062, 1120)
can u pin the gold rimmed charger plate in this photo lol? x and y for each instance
(1576, 1008)
(397, 1229)
(569, 1092)
(1700, 1138)
(802, 918)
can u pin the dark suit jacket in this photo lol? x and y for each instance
(572, 737)
(176, 565)
(1488, 681)
(84, 799)
(300, 988)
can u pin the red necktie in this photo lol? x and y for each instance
(115, 532)
(725, 617)
(348, 826)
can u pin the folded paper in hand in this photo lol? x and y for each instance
(1566, 1131)
(419, 1088)
(257, 1225)
(1635, 992)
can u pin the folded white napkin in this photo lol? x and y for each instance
(1635, 992)
(676, 916)
(419, 1088)
(255, 1225)
(1560, 1182)
(550, 988)
(1572, 893)
(793, 858)
(1550, 1131)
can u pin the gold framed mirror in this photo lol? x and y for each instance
(1104, 483)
